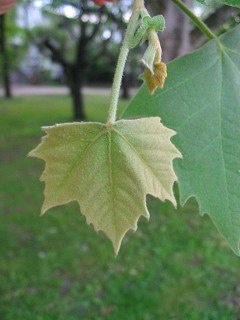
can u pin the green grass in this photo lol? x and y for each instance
(56, 267)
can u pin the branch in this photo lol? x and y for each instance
(96, 28)
(115, 18)
(55, 52)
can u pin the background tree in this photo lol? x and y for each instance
(78, 40)
(12, 40)
(4, 58)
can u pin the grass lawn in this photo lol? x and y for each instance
(57, 268)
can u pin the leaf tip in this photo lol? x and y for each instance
(44, 209)
(174, 202)
(116, 249)
(31, 153)
(42, 212)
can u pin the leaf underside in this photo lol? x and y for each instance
(234, 3)
(108, 170)
(201, 101)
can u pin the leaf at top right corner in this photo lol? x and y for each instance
(233, 3)
(201, 102)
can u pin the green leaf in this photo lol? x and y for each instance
(234, 3)
(108, 169)
(201, 101)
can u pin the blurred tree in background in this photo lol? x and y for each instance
(4, 60)
(84, 39)
(13, 46)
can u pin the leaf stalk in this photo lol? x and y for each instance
(126, 46)
(200, 24)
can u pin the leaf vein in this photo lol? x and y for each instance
(141, 158)
(234, 66)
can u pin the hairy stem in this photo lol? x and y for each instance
(138, 5)
(132, 25)
(201, 25)
(117, 83)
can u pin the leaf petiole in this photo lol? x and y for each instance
(200, 24)
(132, 25)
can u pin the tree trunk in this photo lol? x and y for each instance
(125, 84)
(75, 84)
(73, 75)
(125, 87)
(5, 62)
(77, 101)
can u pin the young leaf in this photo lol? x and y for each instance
(234, 3)
(108, 169)
(201, 101)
